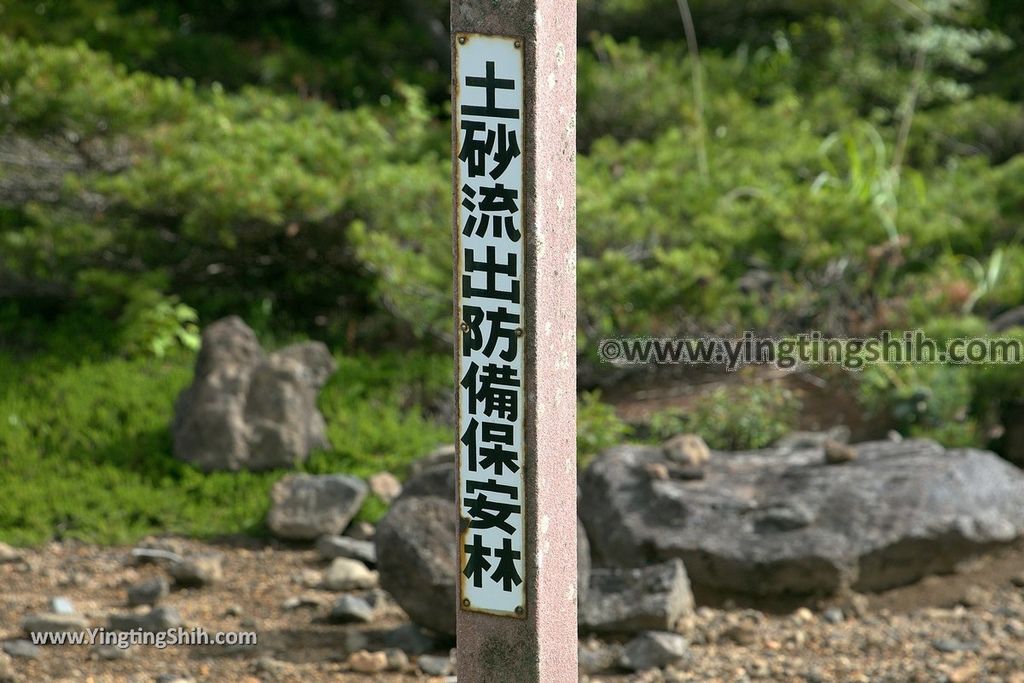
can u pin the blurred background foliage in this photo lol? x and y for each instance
(164, 163)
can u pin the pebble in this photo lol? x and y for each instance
(397, 659)
(148, 592)
(54, 623)
(366, 662)
(62, 605)
(156, 619)
(302, 601)
(653, 650)
(741, 634)
(197, 571)
(109, 652)
(332, 547)
(8, 554)
(22, 649)
(346, 574)
(837, 453)
(434, 665)
(385, 486)
(954, 645)
(361, 531)
(833, 615)
(351, 609)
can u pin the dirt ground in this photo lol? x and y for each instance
(968, 626)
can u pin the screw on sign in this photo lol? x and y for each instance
(513, 136)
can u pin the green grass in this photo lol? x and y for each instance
(85, 448)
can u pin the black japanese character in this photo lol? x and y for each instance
(488, 513)
(472, 335)
(491, 270)
(508, 149)
(491, 84)
(497, 209)
(506, 572)
(499, 391)
(476, 562)
(474, 151)
(502, 143)
(495, 457)
(500, 320)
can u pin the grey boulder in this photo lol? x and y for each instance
(417, 562)
(781, 521)
(306, 506)
(654, 650)
(639, 599)
(249, 410)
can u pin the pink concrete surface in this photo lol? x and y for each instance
(542, 646)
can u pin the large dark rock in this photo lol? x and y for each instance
(416, 558)
(247, 410)
(306, 506)
(415, 550)
(781, 521)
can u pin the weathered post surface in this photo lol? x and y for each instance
(514, 149)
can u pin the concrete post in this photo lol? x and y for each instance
(514, 156)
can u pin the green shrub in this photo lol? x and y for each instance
(733, 417)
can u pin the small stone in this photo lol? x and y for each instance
(22, 649)
(361, 531)
(410, 639)
(346, 574)
(174, 678)
(148, 592)
(741, 634)
(963, 674)
(350, 609)
(197, 571)
(61, 605)
(302, 601)
(153, 621)
(365, 662)
(833, 615)
(954, 645)
(385, 486)
(434, 665)
(54, 623)
(657, 470)
(233, 611)
(333, 547)
(1018, 580)
(397, 660)
(597, 657)
(8, 554)
(653, 650)
(109, 652)
(837, 453)
(7, 674)
(269, 665)
(687, 449)
(803, 615)
(974, 596)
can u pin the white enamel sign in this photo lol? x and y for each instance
(488, 183)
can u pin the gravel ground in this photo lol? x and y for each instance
(965, 627)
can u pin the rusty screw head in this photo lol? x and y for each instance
(464, 326)
(518, 44)
(519, 332)
(462, 40)
(465, 602)
(520, 610)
